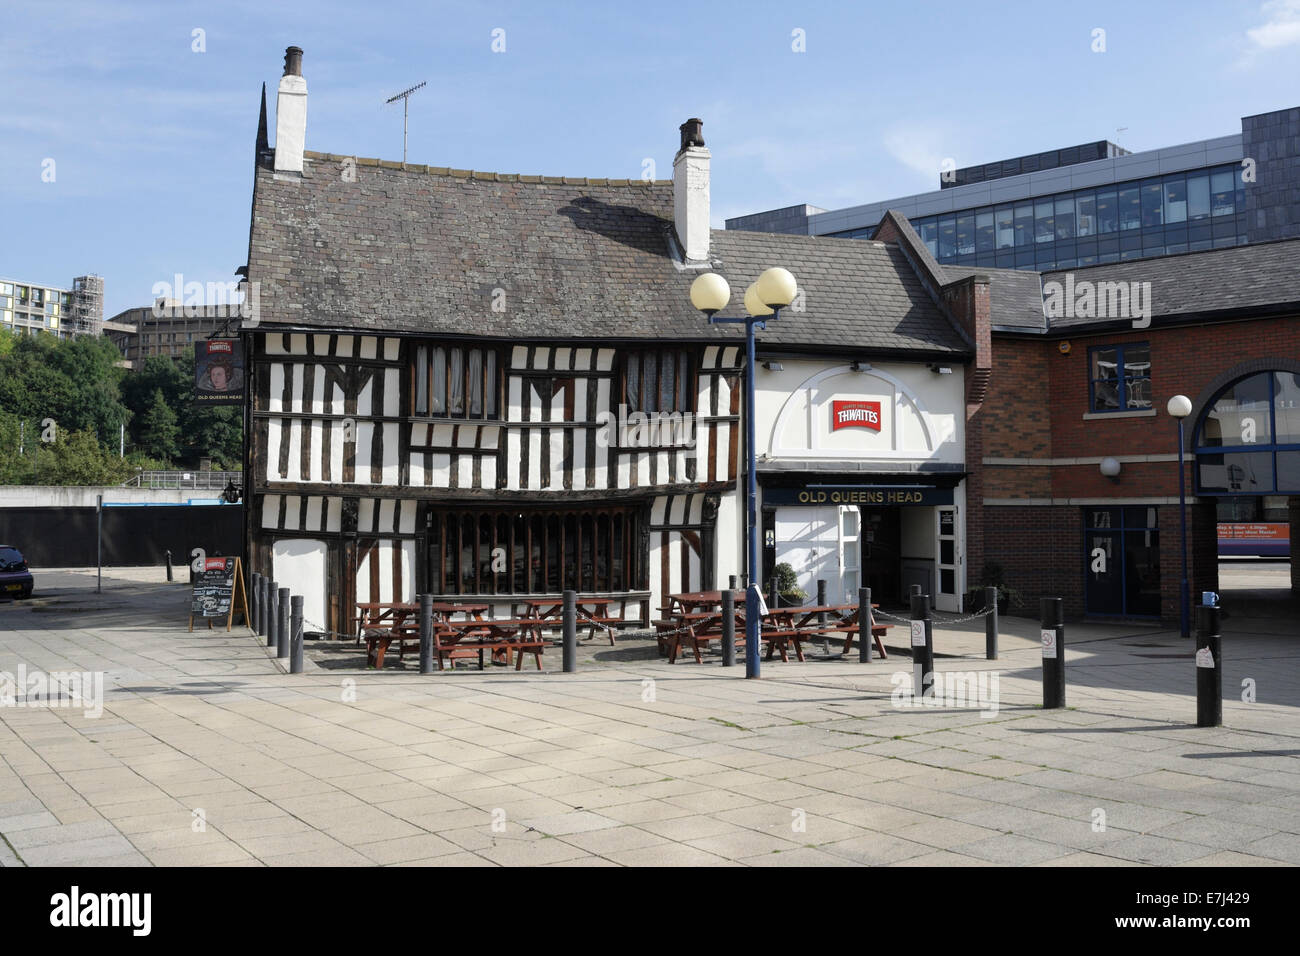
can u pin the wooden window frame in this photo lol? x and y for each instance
(490, 385)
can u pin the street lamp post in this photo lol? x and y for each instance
(1179, 407)
(774, 290)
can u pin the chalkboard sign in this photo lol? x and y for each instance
(214, 588)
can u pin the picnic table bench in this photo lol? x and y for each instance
(595, 610)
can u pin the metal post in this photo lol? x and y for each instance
(922, 647)
(773, 596)
(99, 545)
(729, 626)
(865, 620)
(570, 625)
(295, 645)
(751, 527)
(282, 628)
(426, 633)
(1053, 638)
(169, 566)
(915, 590)
(1184, 596)
(255, 593)
(991, 624)
(731, 582)
(272, 613)
(1209, 668)
(821, 615)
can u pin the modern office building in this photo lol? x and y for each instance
(28, 307)
(146, 330)
(1091, 204)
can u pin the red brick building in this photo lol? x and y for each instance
(1074, 370)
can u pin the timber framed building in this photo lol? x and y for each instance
(467, 383)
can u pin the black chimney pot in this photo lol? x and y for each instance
(692, 132)
(293, 61)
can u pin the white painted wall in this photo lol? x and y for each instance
(84, 496)
(922, 413)
(299, 565)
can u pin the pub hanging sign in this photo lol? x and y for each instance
(854, 414)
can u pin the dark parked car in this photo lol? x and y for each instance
(15, 579)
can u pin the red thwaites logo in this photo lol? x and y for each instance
(855, 415)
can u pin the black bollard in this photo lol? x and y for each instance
(991, 624)
(295, 630)
(1209, 667)
(729, 627)
(169, 565)
(255, 601)
(426, 634)
(272, 612)
(821, 615)
(731, 582)
(773, 598)
(865, 620)
(915, 590)
(922, 646)
(570, 622)
(264, 612)
(282, 628)
(1053, 638)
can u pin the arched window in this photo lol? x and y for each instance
(1248, 440)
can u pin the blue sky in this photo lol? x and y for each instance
(152, 142)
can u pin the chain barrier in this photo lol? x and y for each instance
(934, 617)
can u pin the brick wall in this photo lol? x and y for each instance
(1041, 551)
(1035, 406)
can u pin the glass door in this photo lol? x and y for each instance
(850, 555)
(947, 598)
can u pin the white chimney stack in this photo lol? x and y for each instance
(291, 114)
(691, 192)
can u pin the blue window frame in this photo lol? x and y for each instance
(1119, 377)
(1248, 440)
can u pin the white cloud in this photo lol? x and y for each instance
(1282, 28)
(919, 148)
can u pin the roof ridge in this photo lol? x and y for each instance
(481, 174)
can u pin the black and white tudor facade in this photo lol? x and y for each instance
(488, 385)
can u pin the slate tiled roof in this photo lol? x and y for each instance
(1260, 278)
(1015, 295)
(422, 250)
(857, 293)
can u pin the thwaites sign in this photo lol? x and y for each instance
(855, 414)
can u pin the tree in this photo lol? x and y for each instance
(158, 429)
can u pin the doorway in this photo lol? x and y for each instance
(882, 553)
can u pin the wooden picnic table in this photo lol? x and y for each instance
(792, 624)
(594, 609)
(700, 600)
(454, 639)
(385, 614)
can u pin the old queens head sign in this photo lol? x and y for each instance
(855, 414)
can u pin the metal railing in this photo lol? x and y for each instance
(192, 480)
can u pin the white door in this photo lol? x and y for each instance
(299, 565)
(850, 557)
(808, 540)
(946, 597)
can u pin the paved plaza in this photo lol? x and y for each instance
(207, 753)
